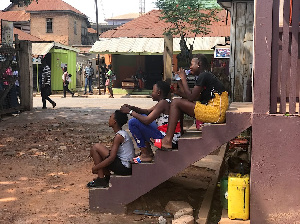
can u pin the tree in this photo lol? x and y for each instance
(187, 16)
(21, 2)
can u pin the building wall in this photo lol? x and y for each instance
(63, 27)
(117, 22)
(74, 38)
(241, 41)
(275, 169)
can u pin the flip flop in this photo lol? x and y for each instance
(158, 145)
(138, 160)
(91, 183)
(98, 183)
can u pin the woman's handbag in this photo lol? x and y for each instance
(107, 82)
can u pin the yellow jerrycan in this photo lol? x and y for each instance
(238, 196)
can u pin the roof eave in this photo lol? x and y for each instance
(57, 11)
(226, 4)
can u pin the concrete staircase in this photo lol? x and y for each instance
(145, 177)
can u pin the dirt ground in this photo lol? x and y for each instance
(45, 167)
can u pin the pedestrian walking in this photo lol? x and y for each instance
(46, 85)
(110, 77)
(66, 77)
(88, 75)
(103, 71)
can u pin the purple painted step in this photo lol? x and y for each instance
(145, 177)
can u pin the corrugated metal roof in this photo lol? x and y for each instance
(41, 48)
(150, 25)
(59, 45)
(151, 45)
(44, 48)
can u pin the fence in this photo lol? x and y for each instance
(16, 78)
(285, 56)
(9, 81)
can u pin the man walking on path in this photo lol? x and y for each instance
(88, 74)
(46, 85)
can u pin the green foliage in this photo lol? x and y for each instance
(21, 2)
(188, 15)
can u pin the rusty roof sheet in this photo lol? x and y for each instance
(91, 30)
(26, 36)
(152, 45)
(149, 25)
(15, 16)
(23, 36)
(51, 5)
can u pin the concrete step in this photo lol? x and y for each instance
(191, 148)
(226, 220)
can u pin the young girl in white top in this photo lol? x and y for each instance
(117, 158)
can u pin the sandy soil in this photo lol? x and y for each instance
(45, 167)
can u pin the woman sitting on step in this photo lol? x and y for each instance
(151, 123)
(207, 101)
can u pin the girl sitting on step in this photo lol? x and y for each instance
(207, 101)
(117, 158)
(151, 123)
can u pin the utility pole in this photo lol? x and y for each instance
(142, 7)
(98, 56)
(96, 3)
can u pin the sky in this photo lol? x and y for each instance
(106, 8)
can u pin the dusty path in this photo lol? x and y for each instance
(45, 164)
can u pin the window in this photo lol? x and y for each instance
(75, 28)
(49, 25)
(83, 31)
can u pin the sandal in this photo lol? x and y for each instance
(98, 183)
(158, 145)
(138, 159)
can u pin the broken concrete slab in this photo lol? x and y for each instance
(186, 219)
(175, 206)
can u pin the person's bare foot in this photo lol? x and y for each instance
(166, 144)
(146, 153)
(142, 159)
(146, 158)
(148, 150)
(162, 143)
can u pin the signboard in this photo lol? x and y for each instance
(7, 34)
(36, 61)
(222, 53)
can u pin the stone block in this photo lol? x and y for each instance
(186, 219)
(175, 206)
(182, 212)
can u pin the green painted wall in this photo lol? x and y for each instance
(59, 56)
